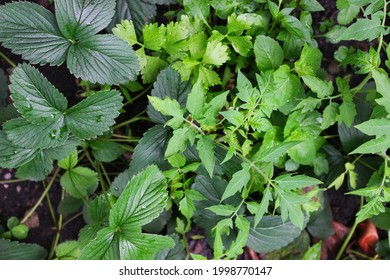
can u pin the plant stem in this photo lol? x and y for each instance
(53, 216)
(132, 120)
(362, 84)
(8, 60)
(12, 181)
(72, 219)
(380, 42)
(352, 231)
(138, 96)
(58, 234)
(42, 196)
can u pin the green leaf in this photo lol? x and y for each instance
(79, 182)
(36, 99)
(222, 210)
(239, 180)
(179, 140)
(94, 115)
(99, 247)
(20, 231)
(196, 100)
(187, 207)
(205, 147)
(78, 19)
(318, 86)
(268, 53)
(296, 28)
(13, 250)
(263, 207)
(126, 31)
(3, 89)
(311, 5)
(271, 234)
(375, 127)
(216, 53)
(382, 220)
(372, 208)
(330, 115)
(197, 8)
(69, 162)
(309, 62)
(274, 153)
(373, 146)
(168, 107)
(347, 11)
(347, 112)
(69, 205)
(142, 200)
(68, 250)
(34, 136)
(106, 151)
(30, 30)
(234, 117)
(241, 44)
(154, 36)
(290, 206)
(314, 252)
(236, 248)
(176, 253)
(37, 169)
(363, 29)
(103, 59)
(289, 182)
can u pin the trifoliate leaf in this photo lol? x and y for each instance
(363, 29)
(79, 182)
(216, 53)
(78, 19)
(268, 53)
(205, 147)
(36, 99)
(94, 115)
(13, 250)
(142, 200)
(30, 30)
(103, 59)
(271, 233)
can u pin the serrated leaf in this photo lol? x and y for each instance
(106, 151)
(196, 100)
(79, 182)
(290, 182)
(274, 153)
(209, 77)
(197, 8)
(263, 207)
(330, 115)
(37, 169)
(216, 53)
(271, 234)
(296, 28)
(68, 250)
(222, 210)
(318, 86)
(241, 44)
(179, 140)
(268, 53)
(168, 107)
(69, 162)
(309, 62)
(13, 250)
(375, 127)
(99, 247)
(205, 147)
(236, 248)
(78, 19)
(372, 208)
(36, 99)
(30, 30)
(142, 200)
(347, 112)
(125, 31)
(373, 146)
(363, 29)
(94, 115)
(239, 180)
(290, 206)
(103, 59)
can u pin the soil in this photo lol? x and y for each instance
(17, 198)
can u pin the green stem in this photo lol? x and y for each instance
(72, 219)
(105, 173)
(362, 84)
(12, 181)
(352, 231)
(7, 59)
(58, 234)
(53, 216)
(132, 120)
(42, 196)
(138, 96)
(383, 25)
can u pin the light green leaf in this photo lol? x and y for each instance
(103, 59)
(142, 200)
(126, 31)
(209, 77)
(68, 250)
(222, 210)
(314, 252)
(372, 208)
(168, 107)
(239, 180)
(263, 207)
(196, 100)
(373, 146)
(347, 112)
(69, 162)
(241, 44)
(274, 153)
(363, 29)
(375, 127)
(94, 115)
(187, 207)
(268, 53)
(216, 53)
(296, 28)
(318, 86)
(197, 8)
(205, 147)
(36, 99)
(271, 234)
(13, 250)
(290, 206)
(236, 248)
(179, 140)
(78, 19)
(311, 5)
(309, 62)
(99, 247)
(347, 11)
(234, 117)
(330, 115)
(30, 30)
(213, 109)
(290, 182)
(154, 36)
(79, 182)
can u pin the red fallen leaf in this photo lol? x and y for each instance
(335, 240)
(368, 237)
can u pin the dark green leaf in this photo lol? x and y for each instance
(271, 234)
(13, 250)
(69, 205)
(30, 30)
(37, 169)
(106, 151)
(3, 89)
(176, 253)
(382, 220)
(103, 59)
(94, 115)
(79, 182)
(78, 19)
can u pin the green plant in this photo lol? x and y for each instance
(249, 131)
